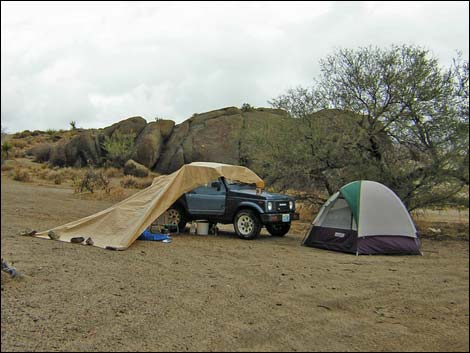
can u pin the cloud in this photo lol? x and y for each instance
(96, 63)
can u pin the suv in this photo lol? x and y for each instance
(225, 201)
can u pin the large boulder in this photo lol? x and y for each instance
(166, 127)
(57, 156)
(215, 136)
(132, 126)
(41, 152)
(82, 150)
(150, 141)
(172, 155)
(133, 168)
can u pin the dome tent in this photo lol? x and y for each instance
(364, 217)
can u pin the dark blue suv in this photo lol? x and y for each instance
(225, 201)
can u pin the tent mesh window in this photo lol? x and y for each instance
(338, 216)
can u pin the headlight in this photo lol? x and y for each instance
(291, 205)
(270, 206)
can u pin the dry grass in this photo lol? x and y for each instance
(112, 172)
(442, 224)
(132, 182)
(116, 194)
(19, 143)
(307, 211)
(7, 167)
(21, 174)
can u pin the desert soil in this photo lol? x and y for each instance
(208, 293)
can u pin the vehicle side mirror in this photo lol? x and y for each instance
(216, 185)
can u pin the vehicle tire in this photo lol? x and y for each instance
(247, 224)
(279, 229)
(176, 215)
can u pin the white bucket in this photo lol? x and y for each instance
(202, 227)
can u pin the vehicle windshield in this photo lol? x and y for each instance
(234, 184)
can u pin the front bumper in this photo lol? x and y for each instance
(268, 218)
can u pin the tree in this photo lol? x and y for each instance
(411, 113)
(73, 125)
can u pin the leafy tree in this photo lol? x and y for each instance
(73, 125)
(411, 117)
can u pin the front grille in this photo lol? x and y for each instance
(282, 206)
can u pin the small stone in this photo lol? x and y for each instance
(89, 241)
(53, 235)
(77, 240)
(28, 232)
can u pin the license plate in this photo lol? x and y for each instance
(286, 217)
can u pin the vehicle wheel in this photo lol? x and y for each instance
(278, 230)
(175, 215)
(247, 224)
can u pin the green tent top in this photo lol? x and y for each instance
(352, 194)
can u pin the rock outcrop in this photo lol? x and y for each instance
(216, 136)
(82, 150)
(150, 142)
(131, 126)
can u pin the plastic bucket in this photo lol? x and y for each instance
(202, 227)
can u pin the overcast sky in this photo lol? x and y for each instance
(97, 63)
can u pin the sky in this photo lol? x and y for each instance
(96, 63)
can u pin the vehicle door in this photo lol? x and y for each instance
(208, 199)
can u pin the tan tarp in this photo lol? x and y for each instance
(120, 225)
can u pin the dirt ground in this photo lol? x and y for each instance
(208, 293)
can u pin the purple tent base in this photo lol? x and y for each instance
(348, 241)
(388, 244)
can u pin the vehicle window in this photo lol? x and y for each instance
(233, 184)
(210, 189)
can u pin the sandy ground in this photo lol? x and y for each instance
(207, 293)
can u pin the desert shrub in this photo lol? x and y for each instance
(21, 174)
(19, 143)
(19, 153)
(43, 174)
(91, 181)
(129, 182)
(6, 149)
(55, 176)
(119, 148)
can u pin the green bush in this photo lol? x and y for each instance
(6, 149)
(119, 148)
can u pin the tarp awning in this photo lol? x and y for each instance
(120, 225)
